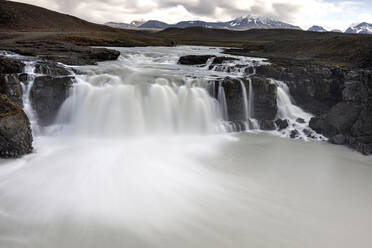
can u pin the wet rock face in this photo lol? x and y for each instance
(264, 99)
(15, 131)
(202, 59)
(265, 93)
(11, 87)
(194, 59)
(9, 66)
(47, 95)
(340, 99)
(314, 88)
(50, 69)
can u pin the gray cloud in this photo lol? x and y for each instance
(299, 12)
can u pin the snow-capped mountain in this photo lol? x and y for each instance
(123, 25)
(362, 28)
(316, 28)
(251, 22)
(241, 23)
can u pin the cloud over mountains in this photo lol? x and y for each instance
(171, 11)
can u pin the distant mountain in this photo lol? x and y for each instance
(155, 24)
(362, 28)
(241, 23)
(250, 22)
(336, 31)
(316, 28)
(123, 25)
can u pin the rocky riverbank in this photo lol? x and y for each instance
(340, 99)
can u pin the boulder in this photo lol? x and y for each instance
(11, 87)
(363, 125)
(300, 120)
(47, 95)
(342, 116)
(9, 65)
(15, 131)
(220, 60)
(267, 125)
(51, 69)
(194, 59)
(282, 124)
(338, 139)
(294, 134)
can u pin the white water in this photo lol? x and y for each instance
(287, 110)
(30, 70)
(100, 182)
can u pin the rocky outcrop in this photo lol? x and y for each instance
(202, 59)
(340, 99)
(65, 53)
(9, 66)
(264, 99)
(47, 95)
(265, 93)
(51, 69)
(15, 131)
(194, 59)
(11, 87)
(314, 88)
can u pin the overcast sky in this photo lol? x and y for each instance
(330, 14)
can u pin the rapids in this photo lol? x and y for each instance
(141, 155)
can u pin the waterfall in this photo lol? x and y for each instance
(26, 88)
(290, 112)
(116, 108)
(222, 101)
(250, 99)
(244, 100)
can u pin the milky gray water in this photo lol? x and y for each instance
(97, 179)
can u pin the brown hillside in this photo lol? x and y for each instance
(16, 16)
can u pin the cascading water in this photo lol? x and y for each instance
(290, 112)
(29, 69)
(222, 102)
(117, 108)
(109, 189)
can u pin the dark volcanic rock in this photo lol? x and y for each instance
(11, 87)
(267, 125)
(300, 120)
(265, 93)
(341, 99)
(220, 60)
(83, 56)
(234, 98)
(264, 101)
(314, 88)
(9, 66)
(338, 139)
(51, 69)
(342, 116)
(194, 59)
(282, 124)
(47, 95)
(15, 131)
(294, 134)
